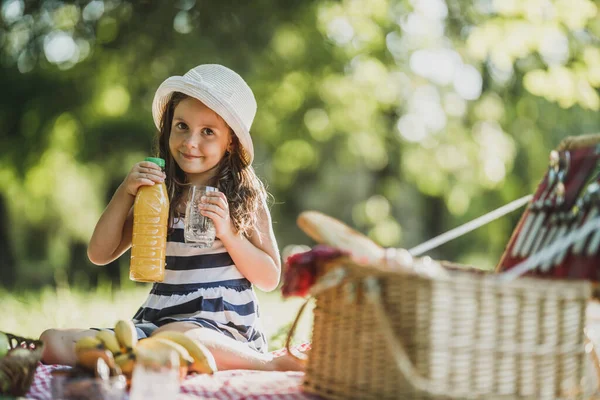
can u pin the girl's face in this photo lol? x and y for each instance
(198, 141)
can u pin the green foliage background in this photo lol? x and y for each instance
(401, 118)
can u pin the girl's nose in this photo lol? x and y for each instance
(189, 144)
(191, 141)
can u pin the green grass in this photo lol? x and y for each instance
(29, 314)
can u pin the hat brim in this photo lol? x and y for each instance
(209, 98)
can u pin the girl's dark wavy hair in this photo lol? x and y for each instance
(234, 177)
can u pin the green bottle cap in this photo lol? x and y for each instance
(158, 161)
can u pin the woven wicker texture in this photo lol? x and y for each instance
(466, 336)
(20, 370)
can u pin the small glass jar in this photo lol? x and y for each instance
(156, 375)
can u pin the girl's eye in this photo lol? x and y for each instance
(181, 126)
(208, 131)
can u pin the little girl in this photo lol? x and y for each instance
(204, 120)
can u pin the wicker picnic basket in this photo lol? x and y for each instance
(381, 334)
(396, 333)
(17, 369)
(401, 333)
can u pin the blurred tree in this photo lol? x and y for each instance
(78, 80)
(402, 118)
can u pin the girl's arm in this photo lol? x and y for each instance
(112, 235)
(257, 258)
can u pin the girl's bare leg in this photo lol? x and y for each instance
(59, 345)
(231, 354)
(59, 348)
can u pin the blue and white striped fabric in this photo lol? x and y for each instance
(205, 287)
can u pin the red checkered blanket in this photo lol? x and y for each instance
(223, 385)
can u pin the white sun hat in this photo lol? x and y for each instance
(220, 89)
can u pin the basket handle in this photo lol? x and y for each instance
(298, 356)
(403, 362)
(328, 281)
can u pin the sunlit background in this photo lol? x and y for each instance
(402, 118)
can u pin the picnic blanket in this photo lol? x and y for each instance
(223, 385)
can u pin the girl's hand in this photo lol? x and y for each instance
(214, 205)
(144, 173)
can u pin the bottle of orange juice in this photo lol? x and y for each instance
(149, 240)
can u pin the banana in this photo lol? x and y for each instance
(149, 358)
(88, 358)
(204, 361)
(110, 341)
(160, 345)
(126, 335)
(126, 362)
(87, 343)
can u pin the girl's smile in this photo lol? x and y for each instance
(189, 156)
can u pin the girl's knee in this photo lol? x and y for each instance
(59, 345)
(50, 337)
(53, 344)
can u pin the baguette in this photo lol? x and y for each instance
(328, 230)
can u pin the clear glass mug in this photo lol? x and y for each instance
(199, 230)
(156, 376)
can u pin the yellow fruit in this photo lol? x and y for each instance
(126, 362)
(151, 358)
(164, 345)
(110, 341)
(126, 335)
(87, 343)
(88, 358)
(204, 361)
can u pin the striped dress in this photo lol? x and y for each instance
(205, 287)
